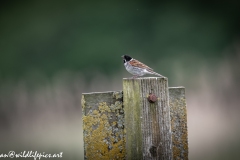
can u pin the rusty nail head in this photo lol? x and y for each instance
(152, 98)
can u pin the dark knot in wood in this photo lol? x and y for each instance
(153, 151)
(152, 98)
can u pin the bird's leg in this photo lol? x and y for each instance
(135, 76)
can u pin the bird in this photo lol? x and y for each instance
(137, 68)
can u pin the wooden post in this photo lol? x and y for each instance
(148, 125)
(178, 114)
(103, 126)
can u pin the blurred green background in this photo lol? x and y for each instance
(52, 51)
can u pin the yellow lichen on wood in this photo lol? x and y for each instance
(179, 123)
(103, 138)
(103, 107)
(117, 95)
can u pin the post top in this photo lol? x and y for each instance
(179, 87)
(145, 78)
(106, 92)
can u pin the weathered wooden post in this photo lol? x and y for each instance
(148, 125)
(103, 125)
(178, 112)
(147, 120)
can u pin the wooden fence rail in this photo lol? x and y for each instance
(147, 120)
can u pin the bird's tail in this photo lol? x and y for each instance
(156, 74)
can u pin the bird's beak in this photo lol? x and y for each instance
(122, 56)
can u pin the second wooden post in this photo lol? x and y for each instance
(147, 124)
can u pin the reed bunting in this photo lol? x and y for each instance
(137, 68)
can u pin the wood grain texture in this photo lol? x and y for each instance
(148, 125)
(178, 114)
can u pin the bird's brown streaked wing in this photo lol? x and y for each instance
(136, 63)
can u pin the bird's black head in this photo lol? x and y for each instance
(126, 58)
